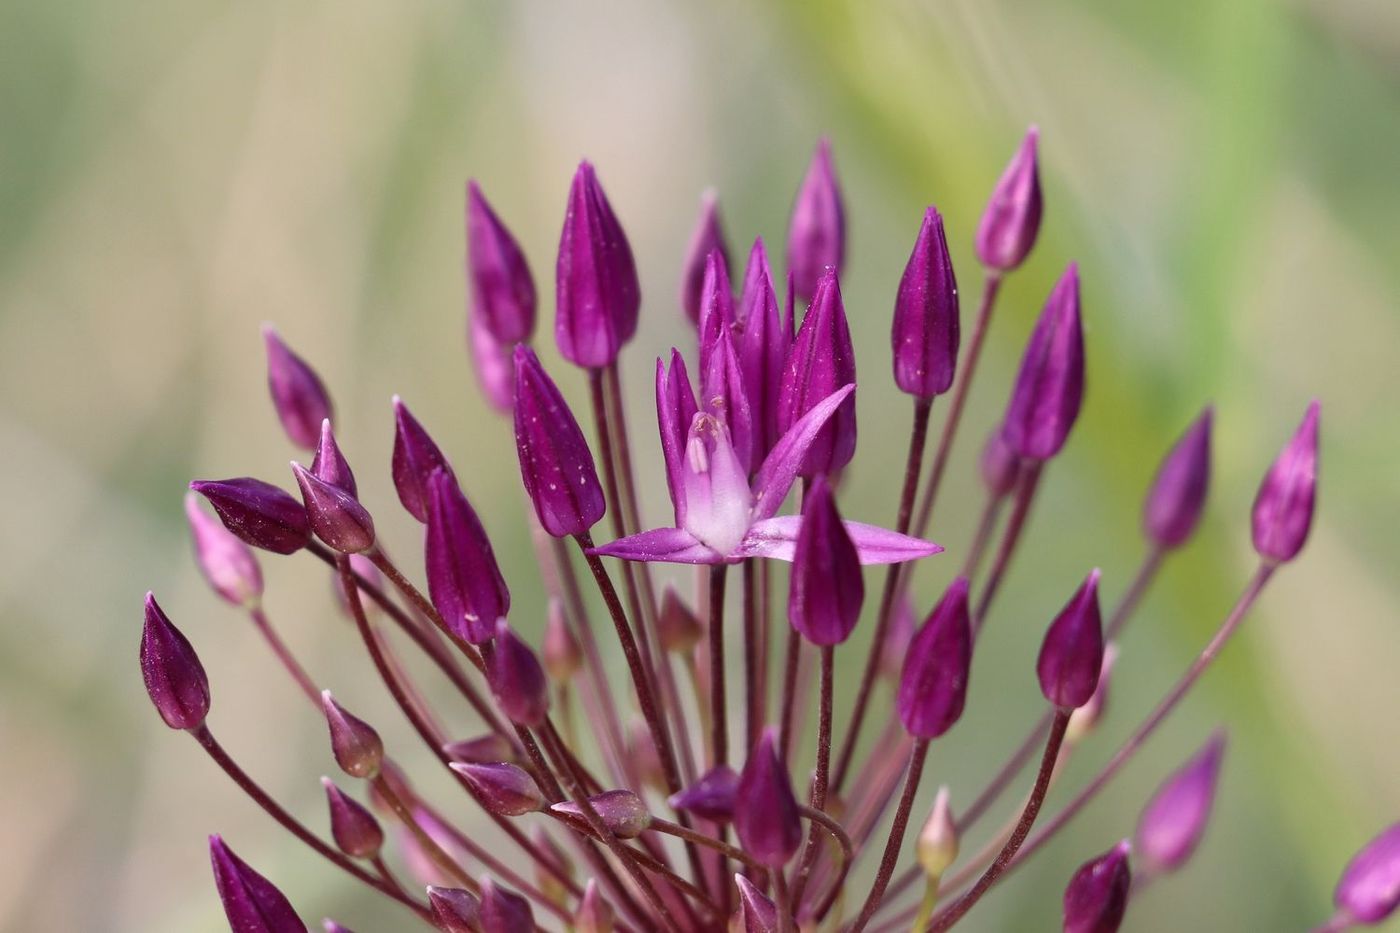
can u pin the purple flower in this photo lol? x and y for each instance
(817, 231)
(175, 680)
(503, 911)
(933, 684)
(464, 582)
(1283, 509)
(482, 749)
(357, 747)
(416, 456)
(1178, 494)
(711, 797)
(925, 332)
(329, 464)
(621, 812)
(1369, 889)
(1097, 895)
(494, 366)
(763, 345)
(499, 277)
(827, 589)
(1050, 385)
(335, 514)
(257, 512)
(1012, 218)
(820, 362)
(724, 395)
(707, 238)
(252, 904)
(598, 295)
(454, 910)
(1086, 718)
(765, 811)
(355, 830)
(226, 562)
(502, 788)
(675, 410)
(300, 398)
(757, 912)
(555, 462)
(999, 465)
(1173, 822)
(516, 678)
(716, 305)
(1071, 656)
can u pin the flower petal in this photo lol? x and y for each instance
(665, 545)
(779, 471)
(776, 538)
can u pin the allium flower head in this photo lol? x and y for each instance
(1012, 218)
(817, 230)
(501, 286)
(251, 902)
(1097, 895)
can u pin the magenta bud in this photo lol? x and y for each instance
(416, 456)
(898, 637)
(516, 678)
(1178, 494)
(1173, 822)
(826, 589)
(765, 811)
(725, 396)
(562, 655)
(356, 746)
(595, 915)
(258, 513)
(464, 581)
(711, 797)
(494, 366)
(1097, 895)
(1050, 384)
(598, 295)
(251, 903)
(708, 237)
(1071, 656)
(335, 514)
(355, 830)
(484, 749)
(1283, 508)
(621, 811)
(228, 565)
(757, 913)
(555, 462)
(933, 684)
(1086, 718)
(454, 910)
(817, 231)
(499, 277)
(999, 465)
(1369, 889)
(502, 788)
(1012, 218)
(820, 362)
(503, 911)
(329, 464)
(175, 680)
(675, 411)
(298, 394)
(716, 305)
(677, 628)
(763, 345)
(925, 332)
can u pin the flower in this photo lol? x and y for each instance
(1097, 895)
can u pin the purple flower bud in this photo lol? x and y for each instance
(355, 830)
(820, 362)
(725, 396)
(1071, 656)
(454, 910)
(757, 913)
(259, 513)
(933, 684)
(1369, 889)
(716, 305)
(1086, 718)
(1097, 895)
(1174, 821)
(503, 788)
(898, 637)
(826, 588)
(999, 465)
(675, 410)
(483, 749)
(765, 811)
(502, 910)
(415, 458)
(925, 333)
(297, 392)
(1050, 384)
(252, 904)
(174, 677)
(356, 746)
(598, 297)
(226, 562)
(711, 797)
(494, 366)
(562, 655)
(464, 582)
(1178, 494)
(329, 465)
(500, 280)
(516, 678)
(707, 238)
(1283, 508)
(817, 230)
(555, 462)
(763, 345)
(335, 515)
(1012, 218)
(677, 628)
(594, 915)
(622, 812)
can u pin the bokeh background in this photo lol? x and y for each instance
(173, 174)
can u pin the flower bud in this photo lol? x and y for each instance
(765, 811)
(494, 366)
(1012, 218)
(925, 333)
(335, 514)
(622, 812)
(1097, 895)
(594, 914)
(724, 395)
(827, 588)
(1178, 494)
(484, 749)
(464, 581)
(757, 912)
(763, 345)
(708, 237)
(556, 464)
(937, 845)
(175, 680)
(1173, 822)
(516, 678)
(503, 911)
(677, 628)
(499, 277)
(1050, 384)
(356, 746)
(329, 465)
(598, 296)
(716, 306)
(1283, 509)
(820, 362)
(562, 655)
(1369, 889)
(1086, 718)
(227, 563)
(416, 457)
(258, 513)
(251, 902)
(933, 684)
(355, 830)
(999, 465)
(817, 231)
(298, 394)
(1071, 656)
(502, 788)
(454, 910)
(711, 797)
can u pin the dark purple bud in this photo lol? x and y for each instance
(1012, 218)
(898, 637)
(1071, 656)
(252, 904)
(817, 230)
(711, 797)
(826, 587)
(228, 565)
(415, 458)
(1283, 508)
(716, 305)
(503, 911)
(454, 910)
(757, 913)
(355, 830)
(335, 515)
(765, 811)
(725, 396)
(562, 655)
(594, 915)
(821, 361)
(707, 238)
(297, 392)
(1050, 385)
(999, 465)
(675, 410)
(503, 788)
(464, 581)
(501, 286)
(1369, 889)
(175, 680)
(1097, 895)
(933, 684)
(356, 746)
(494, 366)
(621, 811)
(329, 465)
(1173, 822)
(555, 462)
(1178, 494)
(259, 513)
(483, 749)
(677, 628)
(925, 332)
(763, 345)
(516, 678)
(598, 297)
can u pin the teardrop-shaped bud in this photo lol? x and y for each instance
(999, 465)
(675, 410)
(356, 746)
(175, 680)
(335, 514)
(817, 231)
(502, 788)
(1174, 821)
(707, 237)
(502, 910)
(516, 678)
(1085, 719)
(715, 486)
(598, 296)
(711, 797)
(1071, 656)
(1369, 889)
(821, 361)
(464, 581)
(482, 749)
(1050, 384)
(763, 344)
(677, 627)
(1012, 218)
(1283, 508)
(757, 912)
(937, 845)
(556, 464)
(1178, 494)
(251, 903)
(621, 811)
(1097, 895)
(933, 684)
(501, 286)
(454, 910)
(494, 365)
(827, 588)
(416, 456)
(765, 811)
(355, 830)
(227, 563)
(925, 334)
(298, 394)
(562, 655)
(595, 915)
(258, 513)
(329, 463)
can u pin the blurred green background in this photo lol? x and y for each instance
(172, 174)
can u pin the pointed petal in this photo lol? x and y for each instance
(666, 545)
(779, 471)
(776, 538)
